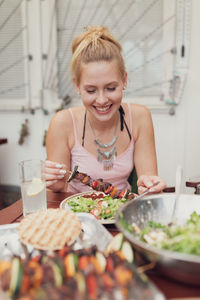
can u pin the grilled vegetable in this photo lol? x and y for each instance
(92, 286)
(70, 262)
(99, 185)
(36, 273)
(127, 251)
(83, 262)
(118, 244)
(89, 275)
(58, 274)
(4, 265)
(115, 244)
(80, 279)
(102, 260)
(123, 275)
(16, 277)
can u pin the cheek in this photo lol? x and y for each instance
(117, 96)
(87, 99)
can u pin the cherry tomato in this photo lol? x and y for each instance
(95, 212)
(94, 184)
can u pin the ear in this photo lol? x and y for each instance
(125, 80)
(76, 85)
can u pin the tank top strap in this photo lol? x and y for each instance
(130, 118)
(74, 124)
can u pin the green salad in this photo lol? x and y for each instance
(101, 206)
(180, 238)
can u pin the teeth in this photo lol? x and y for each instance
(102, 108)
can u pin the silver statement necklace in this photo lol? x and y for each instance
(106, 153)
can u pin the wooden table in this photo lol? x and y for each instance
(170, 288)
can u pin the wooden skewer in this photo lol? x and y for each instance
(145, 268)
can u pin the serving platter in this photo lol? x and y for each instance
(64, 205)
(93, 234)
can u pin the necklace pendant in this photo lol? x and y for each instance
(107, 154)
(108, 164)
(106, 145)
(107, 158)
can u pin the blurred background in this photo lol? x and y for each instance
(161, 47)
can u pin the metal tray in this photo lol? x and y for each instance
(93, 233)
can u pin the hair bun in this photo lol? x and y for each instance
(97, 31)
(95, 44)
(94, 33)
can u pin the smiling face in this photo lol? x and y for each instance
(101, 87)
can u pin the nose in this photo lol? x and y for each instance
(101, 97)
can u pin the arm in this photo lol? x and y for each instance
(145, 152)
(58, 151)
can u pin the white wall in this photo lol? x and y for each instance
(177, 137)
(12, 153)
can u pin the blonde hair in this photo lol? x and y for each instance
(93, 45)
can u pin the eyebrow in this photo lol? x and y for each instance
(110, 83)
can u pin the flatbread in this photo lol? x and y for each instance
(49, 229)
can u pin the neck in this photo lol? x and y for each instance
(101, 126)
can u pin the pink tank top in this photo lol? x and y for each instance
(88, 163)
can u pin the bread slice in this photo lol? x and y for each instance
(49, 229)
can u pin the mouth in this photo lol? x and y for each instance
(103, 109)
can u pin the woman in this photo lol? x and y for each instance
(105, 137)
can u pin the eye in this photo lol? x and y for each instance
(90, 91)
(111, 89)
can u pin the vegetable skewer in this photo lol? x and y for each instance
(100, 185)
(70, 274)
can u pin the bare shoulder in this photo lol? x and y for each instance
(140, 112)
(63, 118)
(61, 127)
(141, 120)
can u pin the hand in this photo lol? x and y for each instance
(54, 172)
(146, 181)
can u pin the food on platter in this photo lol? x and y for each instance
(68, 274)
(119, 244)
(100, 185)
(183, 238)
(102, 206)
(49, 229)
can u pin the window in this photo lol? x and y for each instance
(13, 56)
(35, 48)
(150, 32)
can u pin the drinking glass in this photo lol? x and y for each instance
(33, 185)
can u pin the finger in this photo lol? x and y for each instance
(145, 181)
(140, 180)
(141, 189)
(53, 164)
(50, 183)
(55, 171)
(52, 177)
(159, 187)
